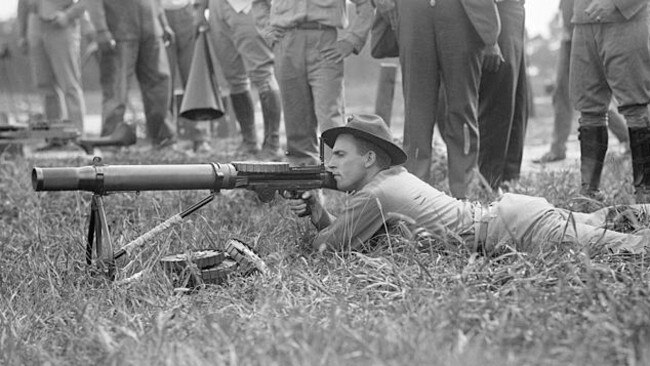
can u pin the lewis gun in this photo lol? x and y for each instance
(264, 178)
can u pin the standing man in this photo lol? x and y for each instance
(444, 43)
(49, 30)
(503, 99)
(562, 108)
(245, 58)
(130, 39)
(610, 54)
(310, 39)
(183, 20)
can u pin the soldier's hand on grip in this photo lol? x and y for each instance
(300, 203)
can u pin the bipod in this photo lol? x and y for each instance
(98, 232)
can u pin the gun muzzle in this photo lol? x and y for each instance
(123, 178)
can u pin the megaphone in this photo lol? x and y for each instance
(201, 100)
(122, 135)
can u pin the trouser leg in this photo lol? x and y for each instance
(115, 67)
(326, 82)
(420, 83)
(242, 104)
(257, 59)
(460, 60)
(563, 110)
(271, 113)
(43, 74)
(153, 74)
(638, 122)
(640, 148)
(501, 96)
(515, 153)
(180, 53)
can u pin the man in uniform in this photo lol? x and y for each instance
(245, 58)
(310, 39)
(610, 55)
(562, 108)
(49, 30)
(444, 43)
(503, 99)
(130, 38)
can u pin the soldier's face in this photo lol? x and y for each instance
(347, 165)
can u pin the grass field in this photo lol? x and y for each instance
(394, 305)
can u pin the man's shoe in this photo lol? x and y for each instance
(550, 157)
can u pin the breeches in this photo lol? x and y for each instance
(526, 223)
(243, 55)
(606, 59)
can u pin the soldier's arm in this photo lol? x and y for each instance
(262, 13)
(104, 37)
(357, 31)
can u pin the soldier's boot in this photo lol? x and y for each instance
(271, 113)
(640, 148)
(242, 105)
(593, 147)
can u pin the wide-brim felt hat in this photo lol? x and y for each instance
(371, 128)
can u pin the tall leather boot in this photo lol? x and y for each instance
(593, 147)
(640, 148)
(271, 113)
(242, 104)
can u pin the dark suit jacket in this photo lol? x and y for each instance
(485, 18)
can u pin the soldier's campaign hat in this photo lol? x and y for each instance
(369, 127)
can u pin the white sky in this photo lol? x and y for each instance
(538, 13)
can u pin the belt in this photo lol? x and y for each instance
(312, 26)
(481, 219)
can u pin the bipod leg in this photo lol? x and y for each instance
(98, 230)
(162, 227)
(91, 233)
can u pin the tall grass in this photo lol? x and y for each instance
(393, 305)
